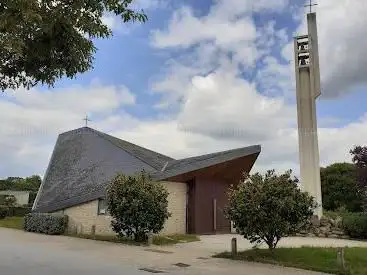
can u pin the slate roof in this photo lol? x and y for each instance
(153, 159)
(182, 166)
(84, 160)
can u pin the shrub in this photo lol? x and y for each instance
(18, 211)
(267, 208)
(355, 225)
(138, 206)
(50, 224)
(2, 199)
(3, 212)
(340, 188)
(10, 200)
(32, 197)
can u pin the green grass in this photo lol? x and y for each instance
(17, 223)
(12, 222)
(311, 258)
(106, 238)
(334, 214)
(157, 240)
(174, 239)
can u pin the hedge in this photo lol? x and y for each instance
(32, 197)
(2, 199)
(18, 211)
(355, 225)
(51, 224)
(3, 212)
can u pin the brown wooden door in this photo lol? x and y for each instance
(222, 223)
(190, 207)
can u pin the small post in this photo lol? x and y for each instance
(234, 247)
(93, 231)
(340, 260)
(150, 239)
(79, 230)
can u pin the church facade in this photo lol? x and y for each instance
(85, 160)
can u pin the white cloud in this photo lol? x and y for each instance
(222, 32)
(29, 129)
(343, 41)
(31, 120)
(226, 39)
(216, 102)
(217, 107)
(149, 4)
(223, 106)
(116, 24)
(111, 21)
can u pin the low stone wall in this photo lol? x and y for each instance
(325, 228)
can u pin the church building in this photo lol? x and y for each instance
(85, 160)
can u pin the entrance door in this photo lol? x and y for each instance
(223, 225)
(190, 207)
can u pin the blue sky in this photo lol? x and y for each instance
(133, 62)
(194, 74)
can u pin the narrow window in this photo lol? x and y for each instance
(102, 207)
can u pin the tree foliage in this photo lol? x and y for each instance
(44, 40)
(265, 208)
(359, 154)
(10, 200)
(31, 183)
(339, 187)
(138, 206)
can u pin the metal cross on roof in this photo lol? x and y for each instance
(86, 119)
(311, 5)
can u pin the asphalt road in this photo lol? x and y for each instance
(24, 253)
(18, 258)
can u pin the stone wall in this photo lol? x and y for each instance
(176, 223)
(22, 197)
(325, 228)
(82, 217)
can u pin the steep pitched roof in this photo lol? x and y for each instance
(84, 160)
(154, 159)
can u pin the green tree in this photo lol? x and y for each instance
(31, 183)
(339, 187)
(10, 200)
(138, 206)
(359, 154)
(44, 40)
(265, 208)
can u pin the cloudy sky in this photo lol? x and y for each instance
(202, 76)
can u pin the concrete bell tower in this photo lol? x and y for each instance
(308, 90)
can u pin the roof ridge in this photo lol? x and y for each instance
(215, 154)
(219, 157)
(141, 147)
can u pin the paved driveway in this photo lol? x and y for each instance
(32, 258)
(34, 254)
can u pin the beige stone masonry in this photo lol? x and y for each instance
(82, 217)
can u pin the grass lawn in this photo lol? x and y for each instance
(312, 258)
(157, 240)
(12, 222)
(333, 214)
(174, 239)
(17, 223)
